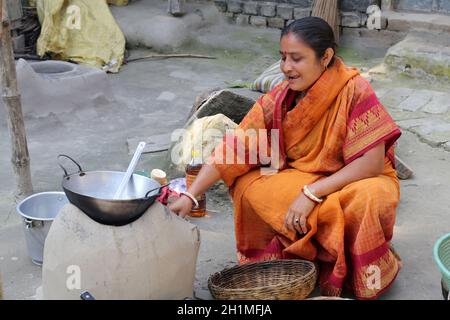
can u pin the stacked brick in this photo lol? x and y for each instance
(279, 13)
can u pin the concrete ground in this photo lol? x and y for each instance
(155, 96)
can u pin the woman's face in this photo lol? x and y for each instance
(299, 63)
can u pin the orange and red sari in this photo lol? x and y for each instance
(349, 234)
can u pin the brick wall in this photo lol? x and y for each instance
(278, 13)
(264, 13)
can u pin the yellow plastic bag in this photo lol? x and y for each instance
(83, 31)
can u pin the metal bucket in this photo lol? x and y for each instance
(441, 253)
(38, 212)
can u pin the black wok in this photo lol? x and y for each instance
(93, 191)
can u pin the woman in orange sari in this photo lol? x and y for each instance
(334, 194)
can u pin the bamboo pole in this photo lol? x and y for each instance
(11, 98)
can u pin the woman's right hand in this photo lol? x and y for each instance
(182, 206)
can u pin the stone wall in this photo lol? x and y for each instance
(278, 13)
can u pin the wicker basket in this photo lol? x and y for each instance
(327, 298)
(270, 280)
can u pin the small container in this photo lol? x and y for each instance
(192, 171)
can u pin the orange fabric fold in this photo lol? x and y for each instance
(338, 120)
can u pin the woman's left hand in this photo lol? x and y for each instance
(297, 214)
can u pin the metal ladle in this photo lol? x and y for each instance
(131, 167)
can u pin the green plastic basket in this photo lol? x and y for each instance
(441, 254)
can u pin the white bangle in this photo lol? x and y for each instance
(190, 196)
(310, 195)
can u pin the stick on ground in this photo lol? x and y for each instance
(182, 55)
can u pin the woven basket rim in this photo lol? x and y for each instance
(310, 273)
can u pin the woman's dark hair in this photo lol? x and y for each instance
(315, 32)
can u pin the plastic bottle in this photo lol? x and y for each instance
(192, 170)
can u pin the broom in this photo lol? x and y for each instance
(328, 10)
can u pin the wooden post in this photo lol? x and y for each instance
(11, 98)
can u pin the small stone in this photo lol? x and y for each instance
(235, 6)
(251, 8)
(275, 23)
(242, 19)
(301, 13)
(285, 11)
(268, 9)
(258, 21)
(177, 7)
